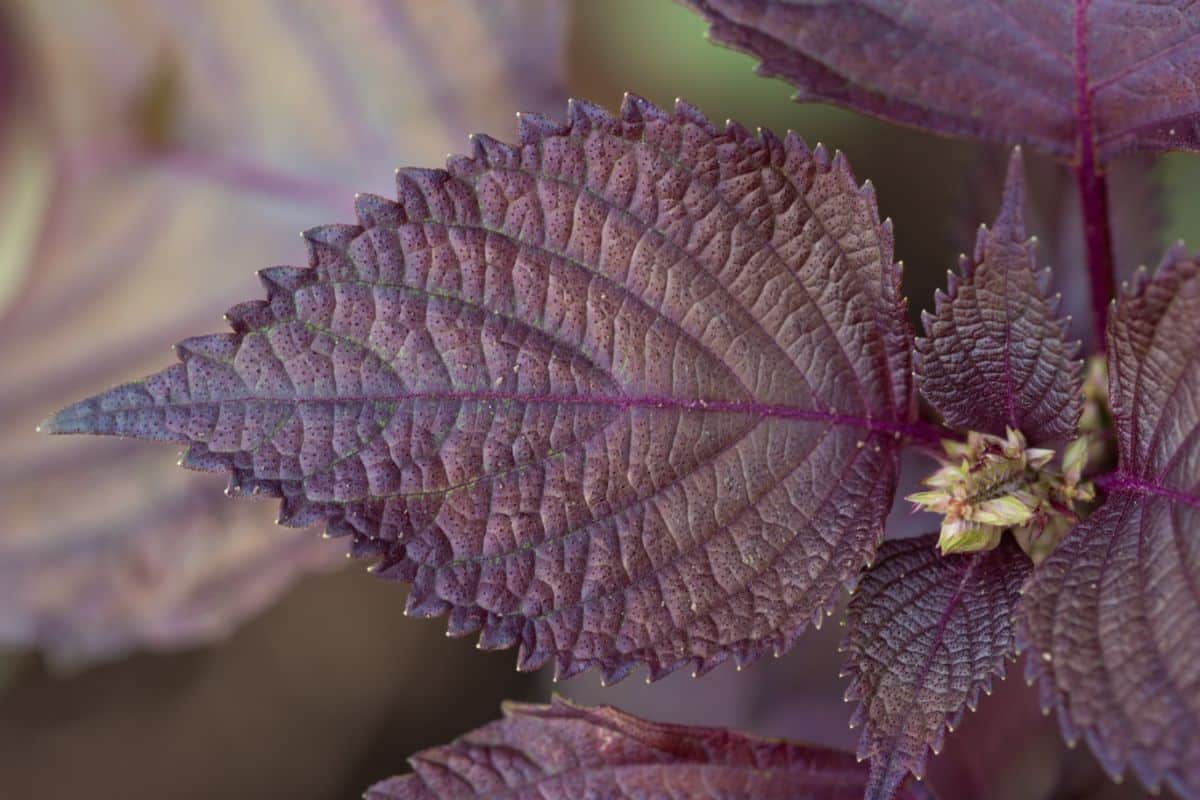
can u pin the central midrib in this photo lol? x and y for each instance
(619, 402)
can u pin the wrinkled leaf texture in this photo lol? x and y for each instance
(1111, 619)
(629, 391)
(562, 750)
(995, 354)
(1137, 218)
(175, 148)
(1012, 71)
(926, 635)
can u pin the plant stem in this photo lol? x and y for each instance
(1092, 186)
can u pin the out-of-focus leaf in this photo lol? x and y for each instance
(926, 634)
(1012, 71)
(996, 355)
(11, 663)
(566, 751)
(628, 392)
(186, 144)
(1111, 619)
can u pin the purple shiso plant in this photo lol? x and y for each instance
(632, 391)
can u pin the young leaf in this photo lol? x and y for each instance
(1112, 618)
(1054, 211)
(566, 751)
(1046, 74)
(629, 391)
(995, 356)
(926, 634)
(170, 149)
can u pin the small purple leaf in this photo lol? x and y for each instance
(926, 634)
(995, 356)
(1137, 219)
(1052, 75)
(629, 391)
(1111, 619)
(566, 751)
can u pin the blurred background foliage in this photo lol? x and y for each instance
(330, 688)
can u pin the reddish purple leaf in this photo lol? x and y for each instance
(1015, 71)
(1112, 618)
(630, 391)
(172, 147)
(995, 354)
(926, 634)
(567, 751)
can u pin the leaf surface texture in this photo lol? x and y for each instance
(927, 633)
(1010, 71)
(628, 391)
(1111, 619)
(567, 751)
(995, 354)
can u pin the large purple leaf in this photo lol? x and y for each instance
(995, 355)
(630, 391)
(1112, 619)
(926, 634)
(174, 145)
(567, 751)
(1018, 71)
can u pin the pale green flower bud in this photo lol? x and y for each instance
(1075, 458)
(1004, 511)
(1038, 457)
(961, 536)
(1014, 443)
(937, 500)
(989, 484)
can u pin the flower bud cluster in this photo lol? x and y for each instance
(989, 484)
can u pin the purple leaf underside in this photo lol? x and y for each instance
(995, 353)
(926, 635)
(629, 391)
(567, 751)
(169, 151)
(1112, 619)
(1012, 71)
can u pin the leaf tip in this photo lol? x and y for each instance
(71, 419)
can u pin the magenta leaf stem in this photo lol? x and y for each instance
(1092, 186)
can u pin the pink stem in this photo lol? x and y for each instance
(1092, 186)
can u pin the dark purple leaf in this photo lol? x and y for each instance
(1014, 71)
(926, 634)
(175, 145)
(630, 391)
(1112, 618)
(995, 355)
(567, 751)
